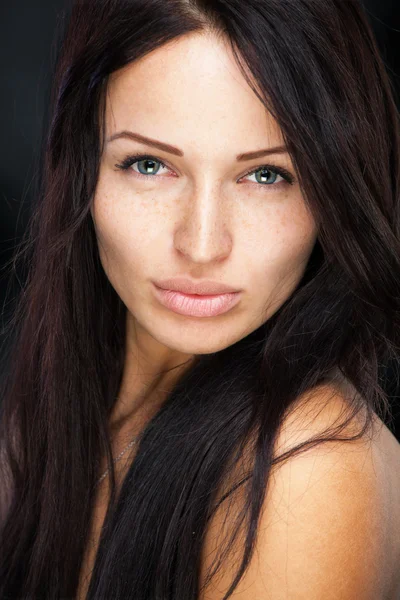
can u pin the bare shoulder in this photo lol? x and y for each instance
(331, 516)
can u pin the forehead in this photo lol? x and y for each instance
(190, 89)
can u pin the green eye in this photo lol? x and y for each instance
(267, 171)
(264, 179)
(131, 160)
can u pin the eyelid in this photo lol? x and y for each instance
(132, 158)
(286, 175)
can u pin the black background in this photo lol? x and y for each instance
(29, 32)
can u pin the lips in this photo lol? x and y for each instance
(197, 305)
(201, 288)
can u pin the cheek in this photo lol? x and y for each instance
(117, 241)
(127, 242)
(281, 250)
(134, 218)
(286, 235)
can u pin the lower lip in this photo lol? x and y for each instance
(192, 305)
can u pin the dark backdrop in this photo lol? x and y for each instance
(29, 33)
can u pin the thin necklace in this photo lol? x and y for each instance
(117, 459)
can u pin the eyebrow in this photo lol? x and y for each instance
(173, 150)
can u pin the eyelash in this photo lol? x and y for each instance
(132, 159)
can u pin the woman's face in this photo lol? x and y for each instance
(202, 215)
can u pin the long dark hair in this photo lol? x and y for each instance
(318, 71)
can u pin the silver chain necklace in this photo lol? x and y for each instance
(117, 459)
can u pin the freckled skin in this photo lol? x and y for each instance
(201, 215)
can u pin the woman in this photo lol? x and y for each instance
(233, 443)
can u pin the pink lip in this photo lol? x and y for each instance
(189, 286)
(192, 305)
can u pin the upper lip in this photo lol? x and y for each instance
(188, 286)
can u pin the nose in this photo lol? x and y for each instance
(203, 234)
